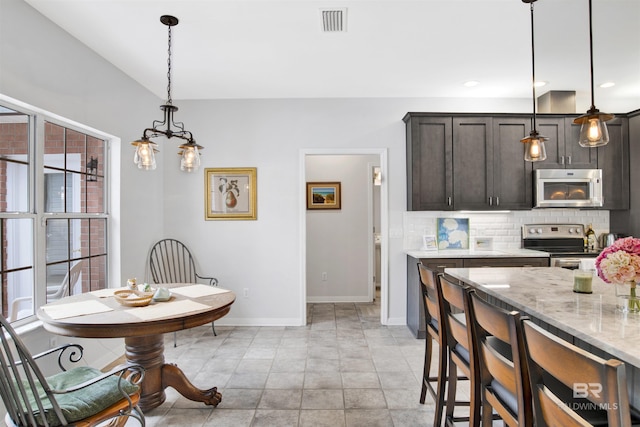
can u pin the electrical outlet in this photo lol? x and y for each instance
(245, 292)
(324, 276)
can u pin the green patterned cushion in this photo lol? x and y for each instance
(84, 402)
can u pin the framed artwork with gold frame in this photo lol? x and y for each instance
(230, 193)
(324, 195)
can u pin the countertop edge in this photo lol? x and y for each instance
(470, 253)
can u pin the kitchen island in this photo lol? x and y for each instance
(439, 260)
(545, 294)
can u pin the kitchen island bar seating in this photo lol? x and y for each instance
(461, 352)
(436, 332)
(504, 383)
(555, 367)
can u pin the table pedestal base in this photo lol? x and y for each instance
(148, 351)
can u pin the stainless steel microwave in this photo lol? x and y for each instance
(568, 188)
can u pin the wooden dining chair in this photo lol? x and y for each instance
(436, 333)
(573, 387)
(80, 396)
(504, 383)
(461, 353)
(170, 261)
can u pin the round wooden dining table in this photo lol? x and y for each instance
(99, 315)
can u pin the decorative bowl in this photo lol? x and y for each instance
(133, 298)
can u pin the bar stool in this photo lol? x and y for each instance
(461, 352)
(572, 387)
(432, 304)
(504, 382)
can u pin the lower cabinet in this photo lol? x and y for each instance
(415, 309)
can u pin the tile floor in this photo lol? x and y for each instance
(343, 369)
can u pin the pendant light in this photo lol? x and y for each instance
(534, 143)
(593, 129)
(145, 148)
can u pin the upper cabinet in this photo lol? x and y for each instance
(563, 150)
(613, 159)
(476, 162)
(429, 163)
(467, 162)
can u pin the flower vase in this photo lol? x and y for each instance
(626, 298)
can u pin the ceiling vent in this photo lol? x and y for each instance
(334, 20)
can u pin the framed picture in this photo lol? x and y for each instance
(429, 242)
(323, 195)
(230, 193)
(453, 233)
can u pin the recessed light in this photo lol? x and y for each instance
(607, 84)
(471, 83)
(540, 84)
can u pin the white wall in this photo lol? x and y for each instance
(338, 240)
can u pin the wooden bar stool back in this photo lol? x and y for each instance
(431, 302)
(572, 387)
(504, 382)
(462, 354)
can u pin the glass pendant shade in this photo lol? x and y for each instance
(144, 156)
(534, 147)
(190, 161)
(593, 129)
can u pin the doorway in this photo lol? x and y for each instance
(351, 196)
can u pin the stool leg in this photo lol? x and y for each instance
(428, 349)
(452, 382)
(442, 382)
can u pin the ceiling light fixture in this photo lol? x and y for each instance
(471, 83)
(607, 85)
(534, 150)
(146, 149)
(593, 129)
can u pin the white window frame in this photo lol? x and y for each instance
(36, 187)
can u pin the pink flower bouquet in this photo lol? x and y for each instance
(620, 263)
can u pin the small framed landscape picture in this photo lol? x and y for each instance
(323, 195)
(429, 243)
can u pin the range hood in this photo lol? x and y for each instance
(557, 101)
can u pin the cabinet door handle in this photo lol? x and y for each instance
(497, 201)
(449, 200)
(562, 160)
(568, 160)
(490, 201)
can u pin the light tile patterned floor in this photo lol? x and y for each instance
(342, 369)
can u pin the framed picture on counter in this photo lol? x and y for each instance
(230, 193)
(324, 195)
(429, 243)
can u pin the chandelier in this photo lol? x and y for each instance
(145, 148)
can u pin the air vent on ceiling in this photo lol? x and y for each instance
(334, 20)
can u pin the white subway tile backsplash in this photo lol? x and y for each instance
(504, 228)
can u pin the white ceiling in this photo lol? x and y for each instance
(392, 48)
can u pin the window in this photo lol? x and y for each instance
(53, 211)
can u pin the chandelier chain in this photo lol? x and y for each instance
(169, 70)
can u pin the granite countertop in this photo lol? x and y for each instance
(547, 293)
(471, 253)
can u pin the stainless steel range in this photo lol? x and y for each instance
(563, 242)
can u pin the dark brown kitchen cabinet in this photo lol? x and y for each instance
(429, 163)
(415, 310)
(563, 150)
(613, 159)
(469, 162)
